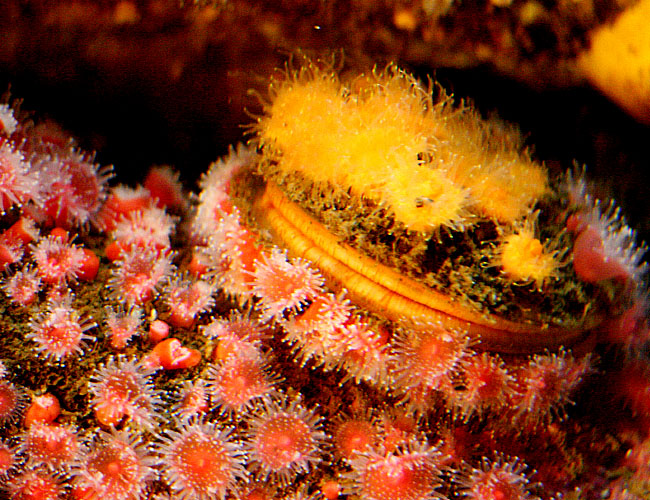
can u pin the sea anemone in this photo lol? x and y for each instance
(408, 474)
(60, 331)
(121, 388)
(524, 258)
(200, 461)
(283, 440)
(116, 466)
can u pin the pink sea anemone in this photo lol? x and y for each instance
(500, 479)
(60, 331)
(544, 386)
(8, 122)
(122, 324)
(120, 389)
(408, 474)
(75, 190)
(50, 446)
(19, 182)
(13, 401)
(284, 285)
(200, 461)
(138, 273)
(35, 484)
(115, 466)
(57, 261)
(187, 298)
(236, 383)
(150, 227)
(283, 440)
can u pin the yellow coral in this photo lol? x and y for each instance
(384, 138)
(524, 258)
(487, 158)
(422, 200)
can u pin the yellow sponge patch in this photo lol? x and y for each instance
(618, 61)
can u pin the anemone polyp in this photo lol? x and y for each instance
(354, 435)
(22, 288)
(544, 386)
(138, 274)
(192, 399)
(363, 351)
(18, 181)
(283, 440)
(121, 388)
(36, 484)
(60, 332)
(57, 261)
(116, 466)
(525, 258)
(201, 461)
(122, 324)
(239, 334)
(12, 401)
(149, 227)
(486, 383)
(317, 332)
(8, 122)
(51, 446)
(426, 359)
(237, 382)
(501, 478)
(409, 474)
(76, 187)
(8, 459)
(283, 284)
(186, 299)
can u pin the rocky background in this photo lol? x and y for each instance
(147, 82)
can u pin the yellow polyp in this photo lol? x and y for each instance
(507, 192)
(524, 258)
(426, 200)
(486, 157)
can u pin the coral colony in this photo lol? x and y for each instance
(381, 297)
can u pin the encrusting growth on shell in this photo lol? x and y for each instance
(524, 258)
(384, 137)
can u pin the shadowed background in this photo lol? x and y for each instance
(154, 82)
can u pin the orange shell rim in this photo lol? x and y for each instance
(381, 289)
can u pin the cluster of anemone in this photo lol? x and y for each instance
(422, 365)
(177, 398)
(75, 187)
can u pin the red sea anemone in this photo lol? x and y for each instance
(60, 331)
(115, 466)
(121, 389)
(284, 285)
(18, 180)
(283, 440)
(200, 461)
(409, 474)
